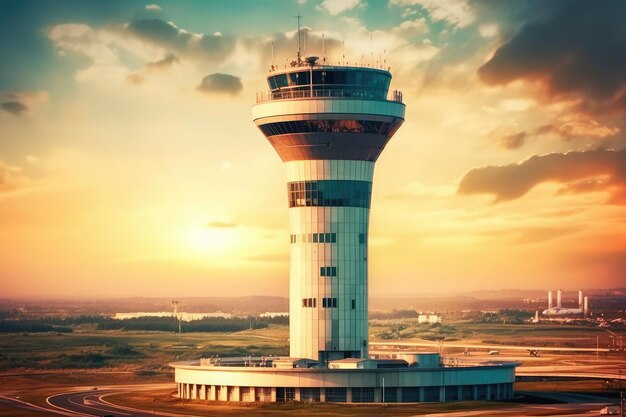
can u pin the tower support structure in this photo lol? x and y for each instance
(329, 125)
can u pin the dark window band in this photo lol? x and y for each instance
(329, 302)
(330, 193)
(328, 271)
(314, 238)
(327, 78)
(326, 126)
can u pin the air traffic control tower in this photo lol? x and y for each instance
(329, 124)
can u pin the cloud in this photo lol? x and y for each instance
(575, 52)
(567, 127)
(162, 64)
(577, 125)
(221, 225)
(14, 107)
(84, 40)
(488, 31)
(514, 181)
(153, 67)
(513, 141)
(181, 41)
(19, 103)
(272, 257)
(543, 234)
(338, 6)
(160, 31)
(153, 7)
(454, 12)
(412, 27)
(220, 83)
(11, 177)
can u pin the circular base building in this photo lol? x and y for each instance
(407, 378)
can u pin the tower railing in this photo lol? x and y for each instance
(264, 96)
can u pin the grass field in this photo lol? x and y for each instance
(37, 365)
(147, 352)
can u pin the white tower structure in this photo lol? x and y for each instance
(328, 124)
(558, 298)
(580, 299)
(550, 299)
(586, 305)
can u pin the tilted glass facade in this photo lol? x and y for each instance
(327, 126)
(330, 193)
(355, 82)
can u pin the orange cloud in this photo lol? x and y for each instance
(514, 181)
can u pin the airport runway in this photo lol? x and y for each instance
(486, 346)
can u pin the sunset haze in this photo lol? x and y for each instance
(130, 164)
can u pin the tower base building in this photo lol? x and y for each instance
(345, 381)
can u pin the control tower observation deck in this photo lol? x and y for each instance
(329, 124)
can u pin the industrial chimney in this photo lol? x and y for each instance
(586, 305)
(580, 299)
(550, 299)
(558, 299)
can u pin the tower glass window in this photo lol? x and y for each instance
(325, 193)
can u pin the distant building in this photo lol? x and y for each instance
(582, 310)
(179, 315)
(273, 314)
(428, 318)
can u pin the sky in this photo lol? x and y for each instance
(130, 165)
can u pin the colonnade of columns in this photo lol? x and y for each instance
(392, 394)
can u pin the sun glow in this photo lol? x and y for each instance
(211, 241)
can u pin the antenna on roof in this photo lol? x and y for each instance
(299, 39)
(323, 50)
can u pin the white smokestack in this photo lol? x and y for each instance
(558, 299)
(586, 305)
(580, 299)
(549, 299)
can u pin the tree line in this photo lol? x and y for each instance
(164, 324)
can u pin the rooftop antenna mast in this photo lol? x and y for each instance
(299, 39)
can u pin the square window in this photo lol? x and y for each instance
(327, 238)
(353, 304)
(314, 302)
(333, 237)
(334, 302)
(315, 237)
(321, 237)
(322, 271)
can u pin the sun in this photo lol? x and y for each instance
(211, 241)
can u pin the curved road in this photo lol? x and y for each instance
(89, 403)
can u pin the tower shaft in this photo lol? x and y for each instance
(328, 124)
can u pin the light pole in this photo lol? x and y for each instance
(383, 390)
